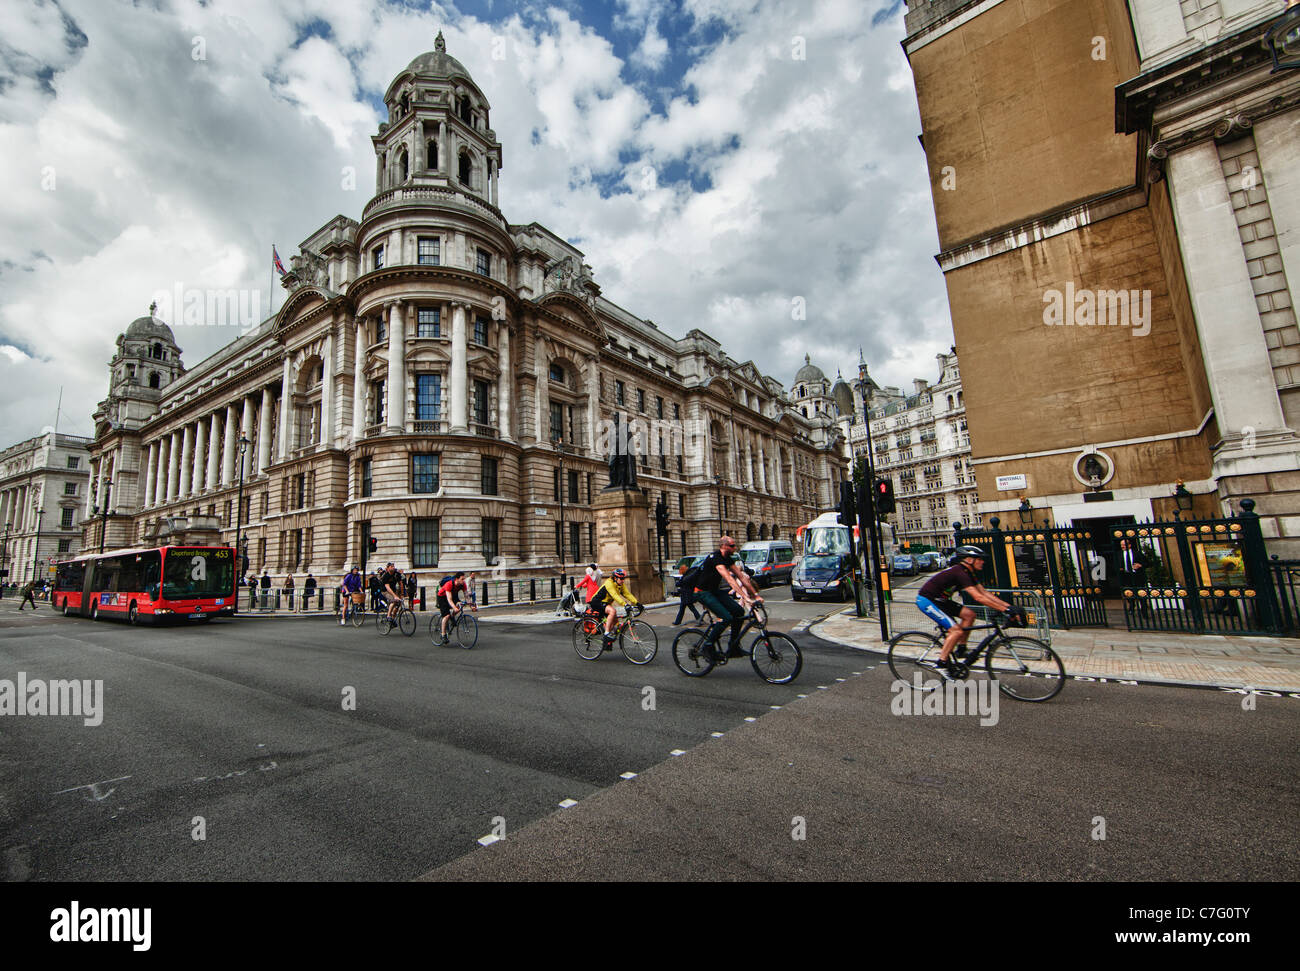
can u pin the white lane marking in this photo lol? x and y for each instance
(488, 840)
(716, 734)
(751, 718)
(94, 795)
(567, 803)
(775, 707)
(801, 696)
(628, 775)
(678, 751)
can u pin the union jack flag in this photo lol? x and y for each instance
(275, 261)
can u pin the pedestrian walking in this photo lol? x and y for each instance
(308, 591)
(687, 593)
(28, 595)
(288, 586)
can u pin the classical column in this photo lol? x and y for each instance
(493, 170)
(505, 381)
(187, 462)
(762, 468)
(1233, 346)
(92, 490)
(327, 395)
(200, 457)
(593, 402)
(444, 162)
(460, 371)
(379, 172)
(174, 466)
(421, 163)
(164, 458)
(151, 472)
(1279, 159)
(286, 412)
(228, 447)
(263, 429)
(359, 383)
(214, 451)
(396, 368)
(749, 462)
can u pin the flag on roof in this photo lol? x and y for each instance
(275, 261)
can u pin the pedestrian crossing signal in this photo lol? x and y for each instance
(884, 496)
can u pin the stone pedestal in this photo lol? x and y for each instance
(623, 540)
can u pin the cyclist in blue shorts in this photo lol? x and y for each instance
(936, 603)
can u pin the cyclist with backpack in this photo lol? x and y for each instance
(608, 598)
(718, 568)
(935, 601)
(448, 588)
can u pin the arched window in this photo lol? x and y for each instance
(463, 109)
(762, 531)
(464, 171)
(405, 106)
(156, 351)
(557, 374)
(154, 380)
(749, 531)
(404, 165)
(431, 152)
(775, 527)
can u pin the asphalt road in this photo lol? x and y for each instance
(240, 729)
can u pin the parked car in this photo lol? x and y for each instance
(929, 562)
(770, 560)
(830, 575)
(904, 565)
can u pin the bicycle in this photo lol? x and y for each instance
(636, 639)
(404, 619)
(775, 657)
(1024, 667)
(462, 625)
(356, 616)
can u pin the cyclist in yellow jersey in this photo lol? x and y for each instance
(608, 598)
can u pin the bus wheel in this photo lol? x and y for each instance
(133, 615)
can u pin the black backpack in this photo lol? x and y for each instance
(691, 578)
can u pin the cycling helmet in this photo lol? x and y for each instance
(964, 551)
(619, 574)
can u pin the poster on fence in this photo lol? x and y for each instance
(1221, 564)
(1029, 565)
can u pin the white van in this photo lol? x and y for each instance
(770, 560)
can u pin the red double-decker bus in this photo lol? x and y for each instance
(155, 584)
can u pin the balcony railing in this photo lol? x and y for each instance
(482, 430)
(434, 426)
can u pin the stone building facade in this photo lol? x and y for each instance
(1084, 377)
(446, 383)
(45, 503)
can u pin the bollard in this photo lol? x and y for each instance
(532, 590)
(552, 588)
(485, 590)
(510, 591)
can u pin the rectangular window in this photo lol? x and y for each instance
(491, 541)
(681, 505)
(573, 485)
(66, 522)
(428, 322)
(427, 251)
(575, 534)
(424, 542)
(683, 550)
(588, 488)
(484, 263)
(640, 400)
(559, 543)
(424, 474)
(73, 461)
(557, 422)
(556, 484)
(620, 393)
(489, 476)
(481, 331)
(428, 397)
(367, 479)
(591, 538)
(677, 411)
(659, 406)
(65, 546)
(481, 402)
(69, 488)
(381, 329)
(377, 257)
(299, 492)
(376, 402)
(266, 504)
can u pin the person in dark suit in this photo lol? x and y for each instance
(1133, 571)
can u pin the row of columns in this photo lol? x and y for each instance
(755, 461)
(202, 454)
(448, 161)
(396, 316)
(15, 509)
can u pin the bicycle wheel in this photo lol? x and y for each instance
(358, 616)
(776, 658)
(382, 623)
(639, 643)
(915, 652)
(586, 639)
(689, 655)
(1025, 669)
(467, 631)
(406, 620)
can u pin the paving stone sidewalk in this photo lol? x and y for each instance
(1266, 663)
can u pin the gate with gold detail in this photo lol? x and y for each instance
(1203, 576)
(1060, 563)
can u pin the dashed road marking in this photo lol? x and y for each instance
(488, 840)
(715, 734)
(678, 751)
(627, 775)
(567, 803)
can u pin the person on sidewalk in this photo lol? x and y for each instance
(29, 595)
(308, 591)
(687, 596)
(288, 587)
(1133, 572)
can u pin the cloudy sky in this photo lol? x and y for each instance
(714, 159)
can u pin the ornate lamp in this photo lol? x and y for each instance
(1283, 39)
(1183, 498)
(1026, 512)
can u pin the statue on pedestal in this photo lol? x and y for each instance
(622, 461)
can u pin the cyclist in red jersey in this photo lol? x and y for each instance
(447, 601)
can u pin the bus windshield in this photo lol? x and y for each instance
(825, 540)
(191, 573)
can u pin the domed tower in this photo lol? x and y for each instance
(146, 362)
(438, 131)
(811, 393)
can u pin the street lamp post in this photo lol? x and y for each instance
(558, 445)
(243, 444)
(4, 559)
(717, 481)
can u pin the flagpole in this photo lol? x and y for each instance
(57, 410)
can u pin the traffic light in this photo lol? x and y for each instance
(884, 496)
(374, 544)
(661, 517)
(848, 510)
